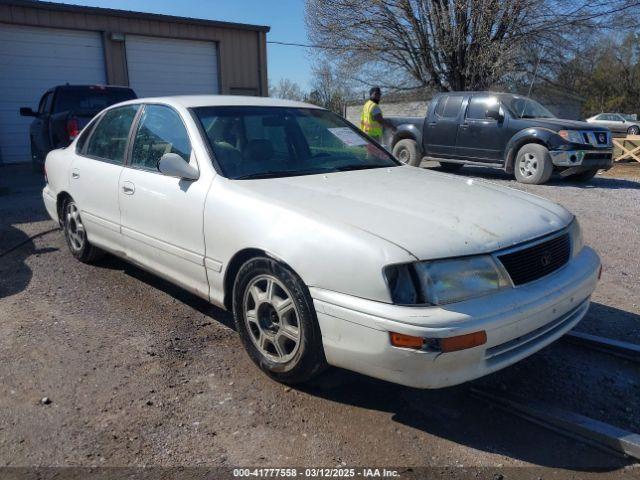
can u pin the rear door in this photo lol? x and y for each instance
(442, 126)
(95, 173)
(481, 139)
(162, 217)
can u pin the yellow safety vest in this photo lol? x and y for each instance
(367, 124)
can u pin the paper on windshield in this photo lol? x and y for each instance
(348, 136)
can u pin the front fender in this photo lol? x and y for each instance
(541, 135)
(325, 254)
(409, 131)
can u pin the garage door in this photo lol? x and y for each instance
(32, 60)
(167, 66)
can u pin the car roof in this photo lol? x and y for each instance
(193, 101)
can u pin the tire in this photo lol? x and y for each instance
(75, 234)
(633, 130)
(407, 152)
(277, 322)
(584, 176)
(450, 167)
(533, 164)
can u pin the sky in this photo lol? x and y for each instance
(285, 17)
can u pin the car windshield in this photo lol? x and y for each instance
(523, 107)
(265, 142)
(89, 99)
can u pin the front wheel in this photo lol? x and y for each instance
(533, 164)
(407, 152)
(633, 130)
(277, 322)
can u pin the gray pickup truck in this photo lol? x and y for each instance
(501, 130)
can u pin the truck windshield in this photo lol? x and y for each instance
(266, 142)
(523, 107)
(89, 99)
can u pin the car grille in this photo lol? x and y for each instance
(535, 262)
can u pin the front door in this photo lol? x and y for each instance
(480, 138)
(95, 173)
(162, 216)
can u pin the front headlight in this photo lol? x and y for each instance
(577, 242)
(572, 136)
(441, 282)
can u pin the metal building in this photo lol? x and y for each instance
(45, 44)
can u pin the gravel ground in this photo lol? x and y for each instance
(138, 372)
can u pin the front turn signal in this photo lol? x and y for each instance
(462, 342)
(405, 341)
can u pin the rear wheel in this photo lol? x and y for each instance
(450, 167)
(583, 176)
(76, 235)
(277, 322)
(633, 130)
(407, 152)
(533, 164)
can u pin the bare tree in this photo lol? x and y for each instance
(328, 88)
(287, 89)
(450, 44)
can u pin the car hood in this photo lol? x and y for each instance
(562, 124)
(429, 214)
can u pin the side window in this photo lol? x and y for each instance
(45, 103)
(160, 131)
(478, 106)
(109, 139)
(452, 108)
(86, 133)
(440, 106)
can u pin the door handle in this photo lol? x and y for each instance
(128, 188)
(464, 126)
(75, 173)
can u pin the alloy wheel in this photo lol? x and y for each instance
(74, 227)
(271, 318)
(528, 165)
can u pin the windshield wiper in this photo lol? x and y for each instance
(275, 174)
(347, 168)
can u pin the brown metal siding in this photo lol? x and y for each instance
(242, 49)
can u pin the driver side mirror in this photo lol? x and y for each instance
(27, 112)
(173, 165)
(494, 113)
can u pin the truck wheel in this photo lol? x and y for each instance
(407, 152)
(277, 322)
(584, 176)
(633, 130)
(533, 164)
(450, 167)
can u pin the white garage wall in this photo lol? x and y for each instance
(32, 60)
(167, 66)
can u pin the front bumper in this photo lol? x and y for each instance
(601, 158)
(518, 323)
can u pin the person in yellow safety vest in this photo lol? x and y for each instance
(371, 120)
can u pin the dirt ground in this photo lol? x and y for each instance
(141, 373)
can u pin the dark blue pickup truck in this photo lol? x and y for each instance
(65, 110)
(501, 130)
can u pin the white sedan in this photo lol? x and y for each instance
(327, 250)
